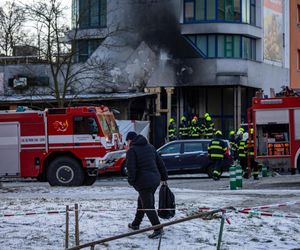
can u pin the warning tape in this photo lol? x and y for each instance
(262, 213)
(272, 206)
(32, 213)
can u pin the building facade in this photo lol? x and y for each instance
(295, 44)
(195, 56)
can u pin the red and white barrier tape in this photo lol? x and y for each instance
(262, 213)
(286, 204)
(32, 213)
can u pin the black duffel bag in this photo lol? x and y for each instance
(166, 201)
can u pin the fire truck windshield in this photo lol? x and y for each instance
(112, 123)
(108, 125)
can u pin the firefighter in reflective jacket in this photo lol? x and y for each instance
(172, 130)
(195, 129)
(242, 152)
(253, 164)
(216, 151)
(209, 128)
(233, 146)
(184, 128)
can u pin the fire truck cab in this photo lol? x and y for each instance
(276, 123)
(64, 146)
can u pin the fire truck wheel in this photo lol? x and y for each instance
(65, 171)
(123, 170)
(89, 180)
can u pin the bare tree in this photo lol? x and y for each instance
(59, 51)
(12, 18)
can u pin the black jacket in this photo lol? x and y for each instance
(144, 166)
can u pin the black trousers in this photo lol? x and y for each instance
(146, 201)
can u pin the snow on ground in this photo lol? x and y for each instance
(106, 211)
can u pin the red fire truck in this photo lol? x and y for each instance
(65, 146)
(276, 123)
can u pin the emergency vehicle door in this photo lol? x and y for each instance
(85, 131)
(9, 148)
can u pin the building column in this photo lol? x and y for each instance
(237, 107)
(170, 92)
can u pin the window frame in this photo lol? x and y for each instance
(247, 6)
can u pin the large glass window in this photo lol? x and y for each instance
(224, 46)
(211, 10)
(85, 48)
(220, 10)
(92, 13)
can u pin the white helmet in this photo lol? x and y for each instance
(245, 136)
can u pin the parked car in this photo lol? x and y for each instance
(190, 156)
(181, 156)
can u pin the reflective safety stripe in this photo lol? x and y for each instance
(217, 156)
(242, 155)
(215, 147)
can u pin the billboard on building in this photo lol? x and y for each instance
(273, 30)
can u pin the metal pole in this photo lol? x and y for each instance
(76, 225)
(221, 231)
(196, 216)
(67, 227)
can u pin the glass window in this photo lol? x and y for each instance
(174, 148)
(237, 47)
(92, 13)
(85, 125)
(202, 44)
(83, 50)
(189, 10)
(103, 13)
(200, 10)
(229, 46)
(105, 126)
(252, 13)
(192, 147)
(84, 13)
(221, 46)
(245, 11)
(246, 48)
(211, 10)
(205, 145)
(221, 10)
(297, 123)
(253, 49)
(211, 46)
(95, 13)
(237, 10)
(229, 10)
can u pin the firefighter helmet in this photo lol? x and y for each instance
(218, 132)
(171, 120)
(208, 118)
(206, 115)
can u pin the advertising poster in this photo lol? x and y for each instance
(273, 30)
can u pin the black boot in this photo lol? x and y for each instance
(133, 227)
(156, 234)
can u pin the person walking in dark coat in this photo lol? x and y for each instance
(145, 170)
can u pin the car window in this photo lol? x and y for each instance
(192, 146)
(205, 145)
(171, 149)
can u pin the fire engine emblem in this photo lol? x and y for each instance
(61, 126)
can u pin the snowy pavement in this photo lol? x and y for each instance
(107, 207)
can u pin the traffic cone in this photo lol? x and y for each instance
(232, 178)
(239, 175)
(264, 171)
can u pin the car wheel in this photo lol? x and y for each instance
(123, 170)
(65, 171)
